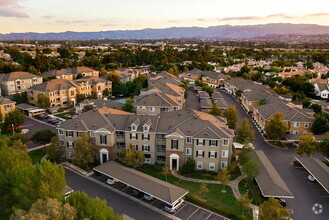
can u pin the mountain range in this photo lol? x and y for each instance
(213, 32)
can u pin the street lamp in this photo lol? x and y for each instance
(12, 127)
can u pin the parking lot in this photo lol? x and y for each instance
(187, 211)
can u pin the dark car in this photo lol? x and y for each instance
(137, 193)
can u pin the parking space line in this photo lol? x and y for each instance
(208, 216)
(180, 208)
(192, 214)
(124, 188)
(153, 202)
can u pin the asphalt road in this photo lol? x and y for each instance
(121, 205)
(192, 100)
(306, 193)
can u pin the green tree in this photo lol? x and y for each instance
(224, 177)
(321, 124)
(20, 97)
(83, 150)
(79, 76)
(14, 117)
(33, 70)
(102, 71)
(245, 154)
(244, 201)
(316, 108)
(276, 128)
(250, 168)
(307, 144)
(87, 108)
(88, 208)
(324, 147)
(128, 106)
(203, 190)
(272, 210)
(46, 209)
(106, 92)
(44, 180)
(18, 145)
(215, 110)
(131, 157)
(238, 93)
(245, 133)
(165, 171)
(54, 150)
(43, 101)
(81, 97)
(262, 102)
(188, 167)
(43, 136)
(231, 115)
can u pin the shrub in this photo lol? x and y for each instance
(188, 167)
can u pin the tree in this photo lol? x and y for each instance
(307, 144)
(174, 70)
(20, 97)
(238, 93)
(102, 71)
(231, 115)
(215, 110)
(43, 101)
(203, 189)
(83, 150)
(244, 201)
(106, 92)
(128, 106)
(245, 133)
(316, 108)
(272, 210)
(262, 102)
(321, 124)
(131, 157)
(165, 171)
(14, 117)
(245, 154)
(276, 128)
(18, 145)
(87, 108)
(43, 136)
(188, 167)
(81, 97)
(46, 209)
(250, 168)
(323, 147)
(79, 76)
(33, 70)
(224, 177)
(88, 208)
(54, 150)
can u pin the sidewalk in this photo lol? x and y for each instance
(75, 169)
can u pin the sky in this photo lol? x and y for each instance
(102, 15)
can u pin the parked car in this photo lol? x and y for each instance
(174, 207)
(282, 201)
(111, 181)
(137, 193)
(311, 178)
(148, 197)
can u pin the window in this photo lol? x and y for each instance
(61, 142)
(70, 155)
(121, 145)
(174, 144)
(295, 132)
(103, 139)
(225, 142)
(161, 148)
(70, 144)
(120, 135)
(213, 143)
(146, 148)
(60, 132)
(211, 166)
(138, 108)
(200, 142)
(296, 124)
(133, 127)
(199, 165)
(160, 138)
(223, 165)
(146, 137)
(147, 158)
(161, 158)
(92, 134)
(188, 151)
(306, 125)
(133, 136)
(188, 140)
(143, 108)
(200, 153)
(136, 147)
(152, 109)
(225, 153)
(69, 133)
(212, 154)
(146, 128)
(304, 132)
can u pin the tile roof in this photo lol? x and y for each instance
(17, 75)
(53, 85)
(5, 101)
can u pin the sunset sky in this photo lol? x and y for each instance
(97, 15)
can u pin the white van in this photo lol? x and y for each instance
(173, 208)
(111, 181)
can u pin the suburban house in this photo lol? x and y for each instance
(191, 75)
(219, 100)
(322, 89)
(17, 82)
(169, 138)
(213, 79)
(71, 73)
(6, 105)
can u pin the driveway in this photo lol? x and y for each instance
(192, 100)
(306, 194)
(120, 204)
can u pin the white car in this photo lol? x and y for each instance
(311, 178)
(111, 181)
(148, 197)
(173, 208)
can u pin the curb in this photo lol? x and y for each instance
(272, 145)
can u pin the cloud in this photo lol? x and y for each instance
(72, 22)
(7, 2)
(280, 16)
(174, 21)
(245, 18)
(201, 19)
(47, 16)
(8, 12)
(318, 15)
(109, 25)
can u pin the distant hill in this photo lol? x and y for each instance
(214, 32)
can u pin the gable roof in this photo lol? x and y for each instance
(17, 75)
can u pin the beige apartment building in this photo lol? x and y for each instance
(6, 105)
(17, 82)
(168, 138)
(71, 73)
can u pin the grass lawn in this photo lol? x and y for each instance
(252, 189)
(222, 203)
(211, 175)
(64, 115)
(36, 155)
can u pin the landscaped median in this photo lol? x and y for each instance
(222, 203)
(248, 186)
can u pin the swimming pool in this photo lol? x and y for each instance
(122, 101)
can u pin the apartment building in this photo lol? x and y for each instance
(191, 75)
(17, 82)
(213, 79)
(169, 138)
(71, 73)
(6, 105)
(60, 91)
